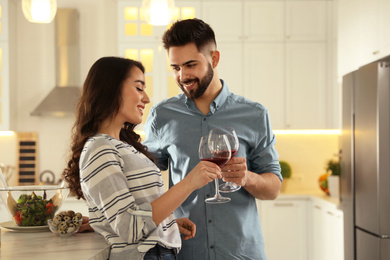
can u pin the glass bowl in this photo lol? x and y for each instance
(65, 223)
(33, 205)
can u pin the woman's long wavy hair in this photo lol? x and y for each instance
(100, 100)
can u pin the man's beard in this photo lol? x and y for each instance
(202, 85)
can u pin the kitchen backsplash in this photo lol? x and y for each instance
(307, 155)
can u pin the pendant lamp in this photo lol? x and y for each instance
(158, 12)
(39, 11)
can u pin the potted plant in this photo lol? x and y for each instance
(333, 169)
(286, 174)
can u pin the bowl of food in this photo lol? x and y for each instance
(33, 205)
(65, 223)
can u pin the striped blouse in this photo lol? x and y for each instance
(119, 183)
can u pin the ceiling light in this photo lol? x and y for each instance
(39, 11)
(158, 12)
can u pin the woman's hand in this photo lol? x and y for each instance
(85, 226)
(203, 173)
(186, 227)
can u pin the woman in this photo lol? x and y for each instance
(115, 174)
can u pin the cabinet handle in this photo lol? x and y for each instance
(284, 204)
(317, 207)
(375, 52)
(330, 213)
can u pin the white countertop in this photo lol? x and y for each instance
(47, 245)
(318, 194)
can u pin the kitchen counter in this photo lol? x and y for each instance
(46, 245)
(316, 194)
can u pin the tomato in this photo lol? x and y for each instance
(18, 217)
(50, 206)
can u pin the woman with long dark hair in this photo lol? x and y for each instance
(111, 169)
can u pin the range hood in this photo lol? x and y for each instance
(62, 100)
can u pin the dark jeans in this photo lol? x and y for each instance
(160, 253)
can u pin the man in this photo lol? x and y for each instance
(173, 131)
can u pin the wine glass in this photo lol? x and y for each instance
(234, 145)
(216, 149)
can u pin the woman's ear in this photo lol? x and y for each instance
(215, 58)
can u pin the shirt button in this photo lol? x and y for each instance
(207, 195)
(211, 247)
(210, 220)
(204, 119)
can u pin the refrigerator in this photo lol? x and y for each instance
(365, 162)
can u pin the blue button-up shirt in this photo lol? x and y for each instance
(173, 131)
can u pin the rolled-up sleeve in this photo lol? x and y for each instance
(264, 157)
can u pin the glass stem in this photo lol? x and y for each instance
(217, 188)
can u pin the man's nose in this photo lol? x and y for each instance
(183, 74)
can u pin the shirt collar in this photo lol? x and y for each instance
(221, 98)
(217, 102)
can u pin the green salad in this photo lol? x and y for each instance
(33, 210)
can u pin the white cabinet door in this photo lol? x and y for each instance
(306, 20)
(384, 10)
(225, 17)
(231, 67)
(319, 233)
(5, 107)
(348, 37)
(306, 86)
(369, 31)
(284, 224)
(327, 235)
(264, 21)
(266, 77)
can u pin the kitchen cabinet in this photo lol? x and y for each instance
(284, 224)
(4, 66)
(327, 231)
(362, 33)
(278, 53)
(305, 226)
(281, 55)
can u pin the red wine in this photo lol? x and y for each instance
(220, 161)
(234, 152)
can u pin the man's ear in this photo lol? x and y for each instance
(215, 58)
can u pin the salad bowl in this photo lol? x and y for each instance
(33, 205)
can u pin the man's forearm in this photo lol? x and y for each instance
(265, 186)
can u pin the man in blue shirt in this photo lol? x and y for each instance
(173, 131)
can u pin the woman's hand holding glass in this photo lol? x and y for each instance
(203, 173)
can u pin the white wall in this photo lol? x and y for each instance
(35, 72)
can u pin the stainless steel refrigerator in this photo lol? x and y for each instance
(365, 162)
